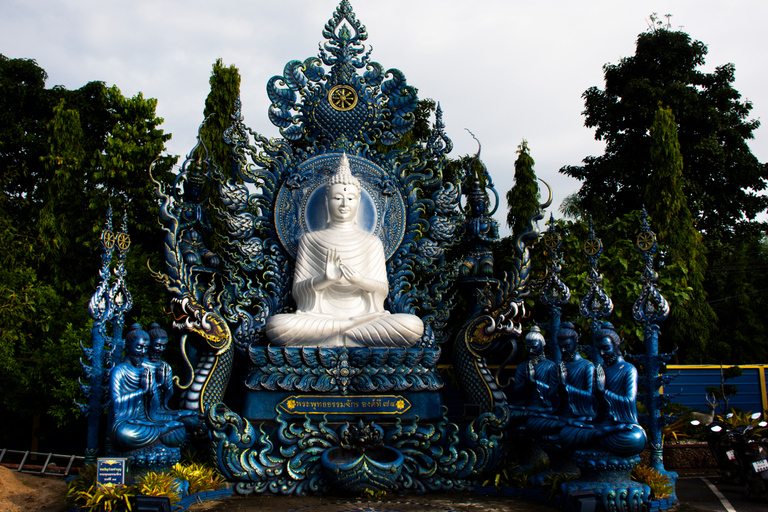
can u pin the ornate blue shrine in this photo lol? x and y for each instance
(314, 418)
(339, 103)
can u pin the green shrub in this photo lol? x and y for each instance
(108, 497)
(504, 474)
(661, 485)
(83, 482)
(201, 478)
(159, 484)
(553, 483)
(84, 491)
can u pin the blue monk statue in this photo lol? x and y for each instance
(135, 426)
(536, 380)
(616, 429)
(576, 380)
(158, 340)
(577, 376)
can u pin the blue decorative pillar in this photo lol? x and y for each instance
(108, 304)
(596, 304)
(555, 293)
(119, 295)
(650, 308)
(101, 310)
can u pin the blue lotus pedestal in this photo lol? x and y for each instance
(355, 472)
(608, 477)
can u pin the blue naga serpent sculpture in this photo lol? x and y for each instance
(498, 318)
(194, 305)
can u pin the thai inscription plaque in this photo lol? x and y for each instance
(349, 404)
(111, 470)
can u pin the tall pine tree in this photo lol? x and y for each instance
(523, 197)
(219, 107)
(683, 250)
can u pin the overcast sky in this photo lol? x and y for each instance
(507, 70)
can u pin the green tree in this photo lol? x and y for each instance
(722, 178)
(683, 250)
(523, 197)
(219, 108)
(64, 156)
(620, 266)
(737, 284)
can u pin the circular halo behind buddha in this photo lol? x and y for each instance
(300, 202)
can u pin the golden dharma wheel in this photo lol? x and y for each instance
(342, 98)
(552, 240)
(108, 239)
(592, 246)
(123, 241)
(645, 240)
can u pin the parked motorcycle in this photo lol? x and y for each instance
(741, 455)
(752, 456)
(721, 443)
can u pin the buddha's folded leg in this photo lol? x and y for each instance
(301, 330)
(134, 434)
(626, 442)
(541, 426)
(174, 434)
(575, 437)
(399, 330)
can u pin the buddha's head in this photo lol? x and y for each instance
(342, 196)
(607, 343)
(136, 344)
(535, 342)
(158, 339)
(568, 341)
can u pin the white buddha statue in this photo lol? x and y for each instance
(340, 283)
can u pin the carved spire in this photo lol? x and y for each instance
(343, 174)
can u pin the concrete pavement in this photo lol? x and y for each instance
(696, 494)
(458, 502)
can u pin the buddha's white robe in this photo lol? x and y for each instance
(342, 314)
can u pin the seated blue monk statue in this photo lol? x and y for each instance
(340, 283)
(577, 377)
(616, 429)
(536, 380)
(133, 419)
(576, 388)
(158, 340)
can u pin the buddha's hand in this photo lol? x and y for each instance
(353, 276)
(612, 429)
(563, 374)
(333, 266)
(600, 378)
(531, 372)
(146, 382)
(163, 375)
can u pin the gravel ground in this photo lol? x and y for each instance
(21, 492)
